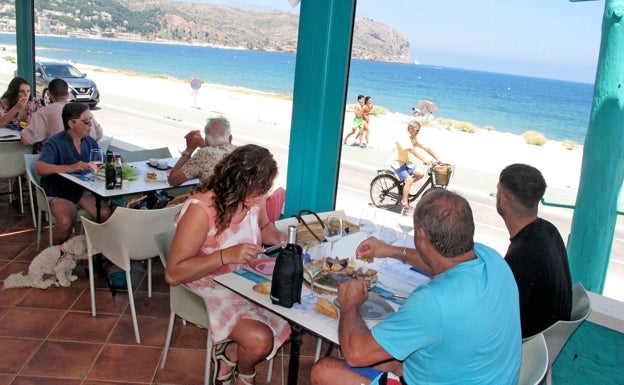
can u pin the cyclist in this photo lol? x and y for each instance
(406, 165)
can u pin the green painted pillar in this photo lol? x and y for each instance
(323, 56)
(602, 170)
(25, 40)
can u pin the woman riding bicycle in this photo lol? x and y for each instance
(406, 167)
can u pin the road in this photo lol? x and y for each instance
(150, 130)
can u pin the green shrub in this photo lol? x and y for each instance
(10, 59)
(379, 110)
(488, 128)
(570, 144)
(535, 138)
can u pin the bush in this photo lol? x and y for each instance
(535, 138)
(570, 144)
(10, 59)
(488, 128)
(379, 110)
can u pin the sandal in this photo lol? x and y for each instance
(218, 356)
(246, 377)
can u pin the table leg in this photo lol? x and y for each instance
(295, 345)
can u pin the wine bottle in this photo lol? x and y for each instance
(287, 277)
(118, 171)
(110, 171)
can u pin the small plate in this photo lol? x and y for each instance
(157, 167)
(263, 265)
(374, 308)
(160, 176)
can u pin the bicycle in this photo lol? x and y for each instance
(386, 190)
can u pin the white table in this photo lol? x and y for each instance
(393, 276)
(138, 186)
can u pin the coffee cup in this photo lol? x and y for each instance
(153, 162)
(163, 165)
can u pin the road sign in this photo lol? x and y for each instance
(196, 84)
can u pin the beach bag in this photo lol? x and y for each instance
(309, 230)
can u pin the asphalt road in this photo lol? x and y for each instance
(358, 167)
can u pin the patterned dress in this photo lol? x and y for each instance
(227, 308)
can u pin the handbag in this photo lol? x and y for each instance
(308, 230)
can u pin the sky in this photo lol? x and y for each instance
(555, 39)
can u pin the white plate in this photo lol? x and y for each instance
(160, 176)
(263, 265)
(374, 308)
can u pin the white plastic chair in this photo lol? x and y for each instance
(13, 166)
(534, 360)
(126, 236)
(558, 334)
(190, 307)
(104, 143)
(43, 206)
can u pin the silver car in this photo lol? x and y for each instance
(81, 89)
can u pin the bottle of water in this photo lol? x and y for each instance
(288, 273)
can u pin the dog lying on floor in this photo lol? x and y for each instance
(52, 267)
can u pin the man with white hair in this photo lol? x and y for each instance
(217, 143)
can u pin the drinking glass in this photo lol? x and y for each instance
(313, 263)
(388, 232)
(368, 221)
(406, 222)
(96, 160)
(332, 231)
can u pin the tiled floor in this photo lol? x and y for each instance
(49, 336)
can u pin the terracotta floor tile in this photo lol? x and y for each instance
(11, 250)
(44, 381)
(61, 359)
(105, 303)
(30, 322)
(92, 329)
(15, 353)
(6, 379)
(183, 366)
(126, 363)
(52, 298)
(156, 306)
(14, 267)
(188, 336)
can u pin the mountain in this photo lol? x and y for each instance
(200, 23)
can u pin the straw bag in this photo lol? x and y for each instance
(313, 230)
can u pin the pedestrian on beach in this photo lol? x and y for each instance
(358, 120)
(536, 255)
(363, 134)
(47, 120)
(202, 154)
(407, 170)
(218, 231)
(463, 326)
(17, 104)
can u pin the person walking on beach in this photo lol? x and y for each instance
(47, 120)
(358, 120)
(407, 170)
(536, 255)
(210, 149)
(363, 134)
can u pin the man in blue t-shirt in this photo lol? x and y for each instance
(68, 151)
(461, 327)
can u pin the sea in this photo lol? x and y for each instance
(507, 103)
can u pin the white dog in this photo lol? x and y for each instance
(56, 261)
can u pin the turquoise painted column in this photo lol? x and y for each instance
(602, 170)
(323, 55)
(25, 40)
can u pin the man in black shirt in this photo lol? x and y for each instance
(536, 255)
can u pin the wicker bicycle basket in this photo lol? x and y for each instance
(442, 174)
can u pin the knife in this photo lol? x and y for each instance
(273, 248)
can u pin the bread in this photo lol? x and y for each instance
(323, 306)
(151, 175)
(263, 287)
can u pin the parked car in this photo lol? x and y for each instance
(81, 89)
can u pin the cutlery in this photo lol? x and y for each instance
(273, 248)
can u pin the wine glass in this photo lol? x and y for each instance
(406, 222)
(388, 232)
(313, 263)
(96, 160)
(332, 231)
(368, 221)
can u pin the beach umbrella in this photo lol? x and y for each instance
(427, 107)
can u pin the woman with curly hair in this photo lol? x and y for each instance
(219, 229)
(16, 104)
